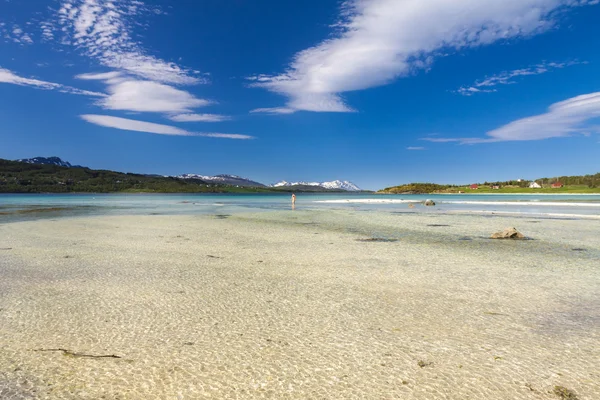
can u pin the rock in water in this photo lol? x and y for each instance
(508, 233)
(429, 203)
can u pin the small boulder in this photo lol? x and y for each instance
(429, 203)
(508, 233)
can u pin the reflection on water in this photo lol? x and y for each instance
(14, 213)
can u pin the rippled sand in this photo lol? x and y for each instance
(302, 305)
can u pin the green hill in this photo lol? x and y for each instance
(19, 177)
(416, 188)
(570, 184)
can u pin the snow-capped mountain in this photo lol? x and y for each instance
(48, 161)
(343, 185)
(223, 179)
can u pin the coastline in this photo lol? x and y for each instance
(522, 194)
(493, 194)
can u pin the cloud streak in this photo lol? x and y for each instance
(149, 127)
(274, 110)
(487, 84)
(566, 118)
(7, 76)
(378, 41)
(199, 118)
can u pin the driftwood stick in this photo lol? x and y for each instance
(82, 355)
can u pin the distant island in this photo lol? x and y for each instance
(53, 175)
(584, 184)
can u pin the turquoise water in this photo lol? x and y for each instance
(32, 206)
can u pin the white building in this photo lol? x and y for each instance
(534, 185)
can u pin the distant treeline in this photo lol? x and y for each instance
(416, 188)
(592, 181)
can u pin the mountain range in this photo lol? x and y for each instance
(343, 185)
(223, 179)
(48, 161)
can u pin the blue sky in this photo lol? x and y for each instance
(379, 92)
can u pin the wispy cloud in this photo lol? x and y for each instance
(149, 127)
(199, 118)
(565, 118)
(137, 81)
(274, 110)
(378, 41)
(415, 148)
(487, 84)
(103, 31)
(7, 76)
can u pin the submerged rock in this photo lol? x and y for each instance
(429, 203)
(508, 233)
(564, 393)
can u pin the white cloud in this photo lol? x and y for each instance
(147, 96)
(21, 37)
(380, 40)
(565, 118)
(149, 127)
(15, 34)
(103, 31)
(199, 118)
(507, 77)
(100, 75)
(47, 30)
(274, 110)
(7, 76)
(415, 148)
(129, 94)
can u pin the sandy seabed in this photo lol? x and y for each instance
(336, 304)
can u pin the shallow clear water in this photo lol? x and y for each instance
(350, 296)
(298, 305)
(32, 206)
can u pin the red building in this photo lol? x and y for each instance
(474, 187)
(557, 185)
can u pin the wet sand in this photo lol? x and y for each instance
(339, 304)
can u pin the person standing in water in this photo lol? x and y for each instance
(293, 199)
